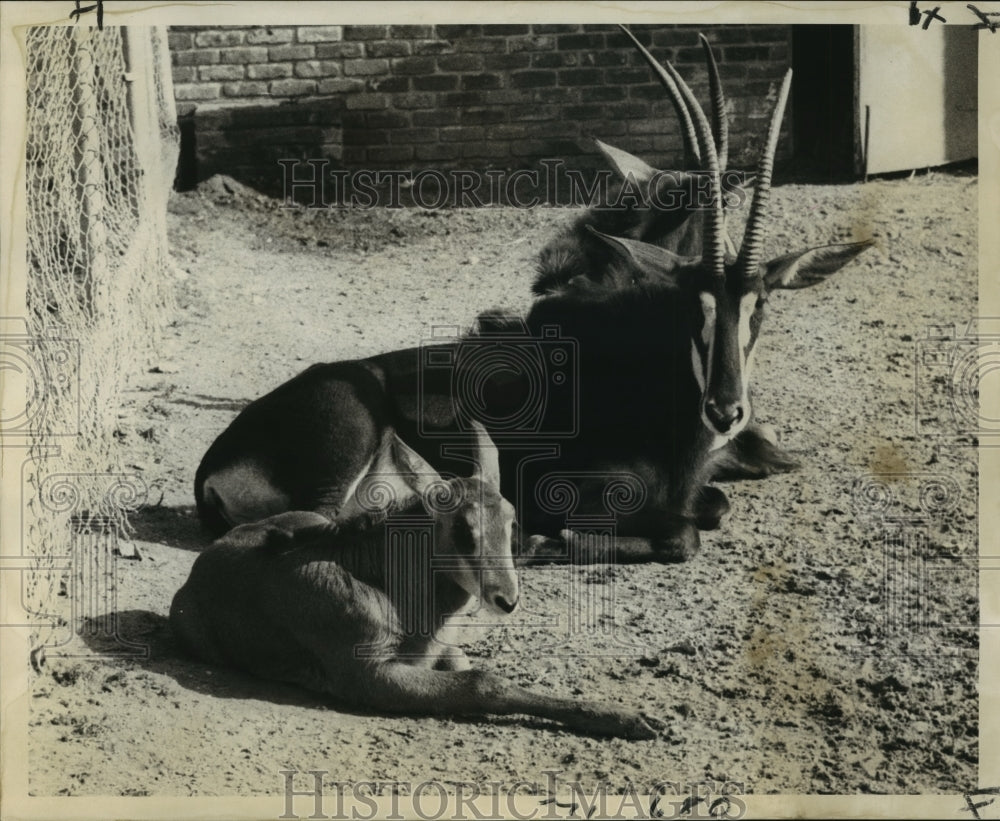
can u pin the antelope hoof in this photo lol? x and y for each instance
(710, 506)
(679, 546)
(642, 728)
(541, 550)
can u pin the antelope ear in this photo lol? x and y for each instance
(412, 468)
(805, 268)
(487, 456)
(625, 164)
(653, 261)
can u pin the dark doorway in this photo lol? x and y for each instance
(825, 127)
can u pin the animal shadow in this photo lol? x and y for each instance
(155, 650)
(172, 526)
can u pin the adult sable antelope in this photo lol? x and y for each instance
(343, 609)
(669, 214)
(663, 373)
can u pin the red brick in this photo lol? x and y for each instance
(532, 43)
(471, 82)
(555, 59)
(452, 32)
(436, 82)
(734, 53)
(461, 133)
(386, 119)
(221, 73)
(581, 77)
(338, 51)
(483, 116)
(366, 32)
(244, 89)
(232, 37)
(365, 136)
(271, 36)
(414, 135)
(387, 85)
(291, 52)
(481, 45)
(556, 28)
(309, 69)
(199, 91)
(270, 71)
(318, 34)
(365, 101)
(413, 65)
(415, 99)
(569, 42)
(365, 68)
(244, 56)
(388, 48)
(178, 40)
(605, 93)
(199, 57)
(494, 62)
(532, 79)
(292, 88)
(460, 62)
(411, 32)
(340, 85)
(432, 47)
(534, 112)
(443, 116)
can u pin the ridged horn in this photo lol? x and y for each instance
(715, 239)
(753, 237)
(720, 122)
(688, 134)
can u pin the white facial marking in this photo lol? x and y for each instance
(697, 366)
(703, 368)
(747, 305)
(708, 311)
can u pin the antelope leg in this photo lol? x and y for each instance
(403, 689)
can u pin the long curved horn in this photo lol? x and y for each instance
(753, 237)
(720, 122)
(691, 151)
(715, 239)
(487, 456)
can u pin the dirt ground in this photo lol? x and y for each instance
(822, 641)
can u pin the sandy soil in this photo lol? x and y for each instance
(784, 656)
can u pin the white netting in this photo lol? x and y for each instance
(102, 144)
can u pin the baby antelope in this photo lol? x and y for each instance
(357, 609)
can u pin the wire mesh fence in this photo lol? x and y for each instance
(101, 150)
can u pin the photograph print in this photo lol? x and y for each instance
(412, 411)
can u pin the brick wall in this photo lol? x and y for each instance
(458, 96)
